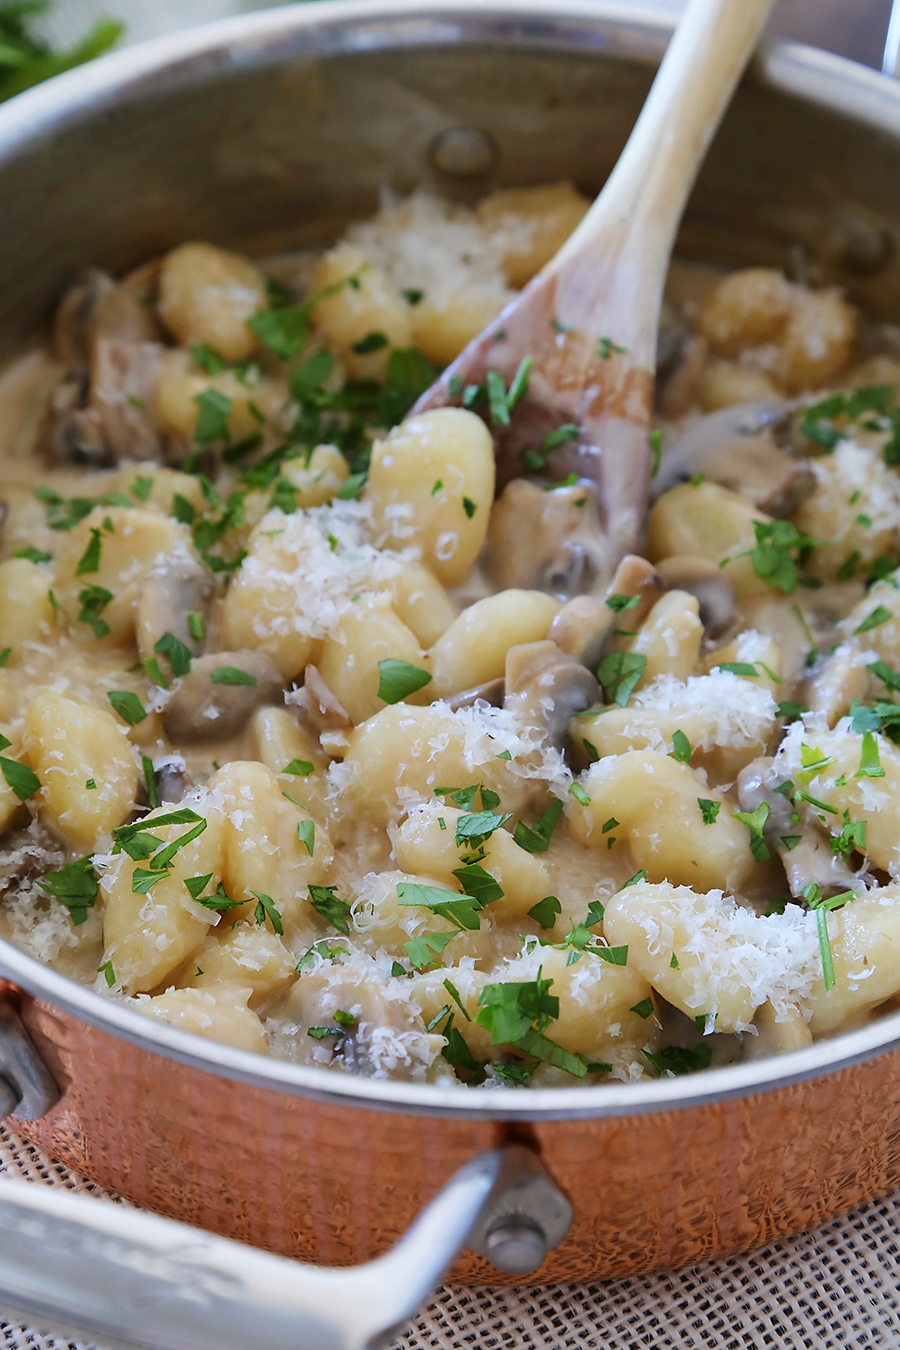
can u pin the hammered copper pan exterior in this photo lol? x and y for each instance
(338, 1184)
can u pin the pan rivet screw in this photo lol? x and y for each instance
(515, 1244)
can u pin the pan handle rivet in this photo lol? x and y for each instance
(515, 1244)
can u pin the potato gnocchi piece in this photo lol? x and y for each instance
(260, 610)
(473, 649)
(368, 632)
(26, 611)
(356, 312)
(655, 802)
(533, 223)
(127, 543)
(219, 1014)
(431, 485)
(405, 751)
(207, 294)
(267, 845)
(86, 766)
(670, 637)
(148, 936)
(708, 521)
(844, 783)
(382, 924)
(183, 382)
(727, 724)
(708, 956)
(746, 309)
(424, 845)
(864, 937)
(293, 755)
(421, 602)
(315, 478)
(243, 956)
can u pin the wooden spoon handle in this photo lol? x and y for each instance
(645, 194)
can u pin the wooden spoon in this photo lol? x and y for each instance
(588, 321)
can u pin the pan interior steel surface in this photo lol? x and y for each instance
(274, 130)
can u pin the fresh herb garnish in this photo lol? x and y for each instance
(232, 675)
(545, 911)
(74, 886)
(325, 902)
(619, 673)
(709, 810)
(128, 706)
(536, 838)
(398, 679)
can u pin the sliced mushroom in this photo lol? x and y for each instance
(72, 433)
(549, 540)
(735, 448)
(713, 589)
(176, 587)
(545, 688)
(323, 710)
(584, 625)
(95, 307)
(493, 692)
(204, 708)
(124, 379)
(684, 356)
(173, 783)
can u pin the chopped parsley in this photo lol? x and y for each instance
(232, 675)
(372, 342)
(655, 451)
(546, 911)
(300, 768)
(869, 764)
(75, 886)
(128, 706)
(424, 950)
(461, 910)
(675, 1060)
(878, 616)
(619, 673)
(326, 903)
(213, 412)
(469, 507)
(398, 679)
(518, 1014)
(618, 603)
(90, 558)
(536, 838)
(108, 973)
(756, 823)
(150, 781)
(606, 347)
(179, 655)
(285, 330)
(265, 909)
(780, 550)
(681, 747)
(709, 810)
(93, 601)
(196, 626)
(475, 828)
(306, 833)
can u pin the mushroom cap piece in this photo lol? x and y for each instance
(213, 702)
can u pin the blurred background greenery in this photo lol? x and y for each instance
(39, 38)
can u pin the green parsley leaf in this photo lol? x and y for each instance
(509, 1011)
(869, 764)
(128, 706)
(673, 964)
(398, 679)
(412, 296)
(320, 1033)
(214, 410)
(91, 784)
(755, 822)
(497, 404)
(878, 616)
(554, 439)
(787, 708)
(469, 507)
(182, 816)
(479, 883)
(90, 558)
(74, 886)
(265, 909)
(675, 1060)
(197, 885)
(306, 833)
(108, 973)
(780, 549)
(93, 600)
(607, 347)
(23, 781)
(681, 748)
(852, 838)
(461, 910)
(196, 626)
(475, 827)
(35, 555)
(590, 750)
(179, 655)
(457, 1052)
(616, 956)
(643, 1009)
(519, 386)
(619, 674)
(352, 486)
(743, 668)
(536, 838)
(232, 675)
(150, 781)
(640, 875)
(396, 970)
(300, 768)
(372, 342)
(595, 914)
(618, 603)
(545, 911)
(183, 510)
(328, 906)
(848, 566)
(656, 451)
(424, 950)
(709, 810)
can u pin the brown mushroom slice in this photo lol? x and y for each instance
(735, 449)
(322, 708)
(71, 433)
(492, 692)
(95, 307)
(713, 589)
(545, 688)
(220, 692)
(124, 379)
(548, 540)
(583, 626)
(175, 588)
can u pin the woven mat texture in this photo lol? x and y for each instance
(833, 1289)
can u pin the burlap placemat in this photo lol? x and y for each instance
(829, 1290)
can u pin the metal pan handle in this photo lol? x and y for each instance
(132, 1279)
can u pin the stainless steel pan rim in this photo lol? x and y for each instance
(347, 26)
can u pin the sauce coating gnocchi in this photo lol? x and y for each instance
(309, 748)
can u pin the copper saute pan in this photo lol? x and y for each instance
(273, 130)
